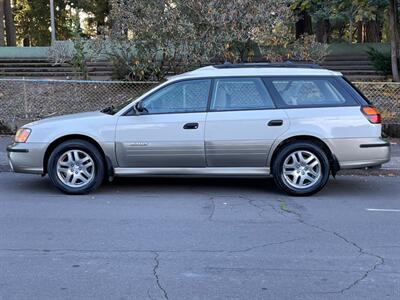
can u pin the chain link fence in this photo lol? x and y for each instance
(26, 100)
(386, 97)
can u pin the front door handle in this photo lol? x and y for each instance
(191, 126)
(275, 123)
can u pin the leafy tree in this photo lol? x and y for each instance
(32, 18)
(198, 31)
(366, 16)
(2, 23)
(98, 10)
(183, 33)
(7, 19)
(394, 37)
(320, 11)
(10, 26)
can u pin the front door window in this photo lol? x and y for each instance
(182, 97)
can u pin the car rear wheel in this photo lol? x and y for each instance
(301, 169)
(76, 167)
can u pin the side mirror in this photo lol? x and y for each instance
(139, 108)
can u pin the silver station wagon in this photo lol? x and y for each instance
(297, 123)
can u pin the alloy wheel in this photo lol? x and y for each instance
(75, 168)
(301, 169)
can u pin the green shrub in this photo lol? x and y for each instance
(133, 63)
(381, 61)
(79, 58)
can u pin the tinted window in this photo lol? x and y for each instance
(355, 90)
(308, 92)
(240, 94)
(185, 96)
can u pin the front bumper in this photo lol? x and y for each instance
(26, 157)
(361, 152)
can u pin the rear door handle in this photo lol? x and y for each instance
(191, 126)
(275, 123)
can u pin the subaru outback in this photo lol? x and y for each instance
(297, 123)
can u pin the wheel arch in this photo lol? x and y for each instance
(334, 164)
(62, 139)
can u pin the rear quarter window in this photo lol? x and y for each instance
(309, 92)
(355, 91)
(240, 94)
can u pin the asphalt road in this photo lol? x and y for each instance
(199, 239)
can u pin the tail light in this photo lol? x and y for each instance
(372, 114)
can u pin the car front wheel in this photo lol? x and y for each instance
(76, 167)
(301, 169)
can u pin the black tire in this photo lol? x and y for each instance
(284, 153)
(95, 155)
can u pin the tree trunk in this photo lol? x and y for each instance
(394, 39)
(341, 29)
(10, 26)
(27, 41)
(323, 30)
(372, 32)
(303, 25)
(1, 23)
(360, 32)
(351, 31)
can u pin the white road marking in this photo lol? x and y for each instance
(383, 210)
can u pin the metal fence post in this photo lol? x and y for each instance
(25, 98)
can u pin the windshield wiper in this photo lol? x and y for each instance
(109, 110)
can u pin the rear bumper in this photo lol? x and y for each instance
(26, 157)
(361, 152)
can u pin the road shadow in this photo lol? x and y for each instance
(342, 186)
(36, 184)
(177, 183)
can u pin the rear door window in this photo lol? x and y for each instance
(310, 92)
(240, 94)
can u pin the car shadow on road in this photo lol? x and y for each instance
(339, 187)
(36, 184)
(180, 183)
(342, 186)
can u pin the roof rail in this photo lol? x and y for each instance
(286, 64)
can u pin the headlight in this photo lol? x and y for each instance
(22, 135)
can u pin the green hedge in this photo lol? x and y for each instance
(357, 49)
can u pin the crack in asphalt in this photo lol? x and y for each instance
(261, 208)
(299, 218)
(149, 295)
(212, 209)
(149, 250)
(156, 257)
(156, 275)
(380, 260)
(265, 245)
(252, 203)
